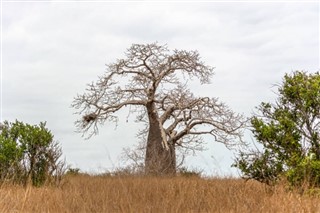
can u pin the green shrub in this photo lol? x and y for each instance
(28, 153)
(185, 172)
(288, 132)
(259, 166)
(305, 174)
(73, 171)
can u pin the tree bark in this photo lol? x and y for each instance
(159, 159)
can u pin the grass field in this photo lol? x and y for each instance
(83, 193)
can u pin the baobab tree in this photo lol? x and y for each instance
(153, 81)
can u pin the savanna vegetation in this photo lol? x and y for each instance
(84, 193)
(280, 174)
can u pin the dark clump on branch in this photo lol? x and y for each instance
(90, 117)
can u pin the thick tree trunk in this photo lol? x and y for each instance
(159, 159)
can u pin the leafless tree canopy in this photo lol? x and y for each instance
(153, 81)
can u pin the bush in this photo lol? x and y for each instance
(305, 174)
(288, 132)
(73, 171)
(259, 166)
(28, 154)
(185, 172)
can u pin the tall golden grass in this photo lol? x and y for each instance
(83, 193)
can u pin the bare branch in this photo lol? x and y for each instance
(153, 82)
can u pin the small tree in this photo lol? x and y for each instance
(289, 132)
(28, 153)
(153, 82)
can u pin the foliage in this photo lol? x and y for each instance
(28, 153)
(288, 131)
(306, 174)
(259, 166)
(185, 172)
(73, 171)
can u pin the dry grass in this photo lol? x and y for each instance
(105, 194)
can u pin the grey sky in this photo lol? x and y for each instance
(51, 50)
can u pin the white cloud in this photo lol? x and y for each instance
(52, 50)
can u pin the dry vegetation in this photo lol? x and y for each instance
(83, 193)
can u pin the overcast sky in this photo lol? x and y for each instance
(51, 50)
